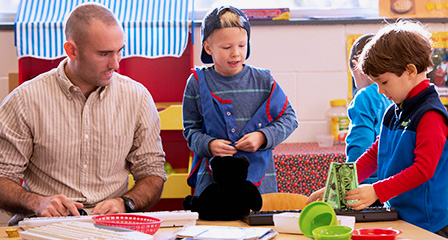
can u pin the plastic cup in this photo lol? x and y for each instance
(332, 233)
(314, 215)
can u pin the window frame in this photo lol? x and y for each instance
(8, 18)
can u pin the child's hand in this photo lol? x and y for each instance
(251, 142)
(365, 194)
(220, 147)
(316, 196)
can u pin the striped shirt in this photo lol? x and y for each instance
(59, 142)
(247, 90)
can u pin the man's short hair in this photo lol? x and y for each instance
(81, 17)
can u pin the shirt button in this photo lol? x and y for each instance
(233, 130)
(86, 136)
(228, 113)
(85, 166)
(259, 124)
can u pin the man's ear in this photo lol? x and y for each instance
(71, 49)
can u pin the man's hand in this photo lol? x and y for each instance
(251, 142)
(18, 200)
(109, 206)
(57, 206)
(220, 147)
(365, 194)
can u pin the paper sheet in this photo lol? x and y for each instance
(226, 233)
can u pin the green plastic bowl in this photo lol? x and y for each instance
(314, 215)
(333, 233)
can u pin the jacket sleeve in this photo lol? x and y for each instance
(16, 138)
(367, 164)
(280, 128)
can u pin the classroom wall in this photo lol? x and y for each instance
(310, 64)
(308, 61)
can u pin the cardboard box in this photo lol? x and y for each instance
(267, 14)
(13, 81)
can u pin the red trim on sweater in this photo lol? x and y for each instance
(258, 183)
(223, 101)
(268, 104)
(283, 109)
(195, 74)
(431, 136)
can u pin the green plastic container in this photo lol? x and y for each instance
(333, 233)
(314, 215)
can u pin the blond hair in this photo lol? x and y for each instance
(228, 18)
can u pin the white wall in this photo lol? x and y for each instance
(310, 64)
(308, 61)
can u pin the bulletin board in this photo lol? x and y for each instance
(413, 8)
(351, 88)
(440, 45)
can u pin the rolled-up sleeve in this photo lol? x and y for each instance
(147, 155)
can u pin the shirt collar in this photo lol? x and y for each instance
(68, 88)
(418, 89)
(64, 83)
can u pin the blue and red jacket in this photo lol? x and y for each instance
(221, 125)
(425, 205)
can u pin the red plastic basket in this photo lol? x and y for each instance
(140, 223)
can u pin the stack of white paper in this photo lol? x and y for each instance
(227, 233)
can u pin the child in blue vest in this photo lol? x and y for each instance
(365, 111)
(233, 109)
(411, 155)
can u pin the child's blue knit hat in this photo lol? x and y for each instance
(211, 22)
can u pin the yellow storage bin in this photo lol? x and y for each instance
(170, 116)
(131, 182)
(176, 184)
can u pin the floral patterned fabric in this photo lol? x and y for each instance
(303, 167)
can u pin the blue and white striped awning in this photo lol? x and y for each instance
(153, 28)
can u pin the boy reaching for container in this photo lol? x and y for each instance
(233, 109)
(411, 154)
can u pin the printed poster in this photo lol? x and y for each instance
(439, 75)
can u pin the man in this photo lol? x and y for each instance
(74, 134)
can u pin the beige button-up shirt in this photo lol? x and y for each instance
(59, 142)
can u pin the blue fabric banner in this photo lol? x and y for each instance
(153, 28)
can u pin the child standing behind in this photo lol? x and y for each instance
(231, 108)
(411, 155)
(365, 111)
